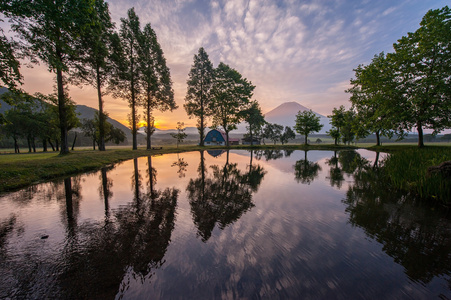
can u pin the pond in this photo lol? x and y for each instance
(225, 225)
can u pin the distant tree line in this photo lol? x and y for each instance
(409, 88)
(77, 41)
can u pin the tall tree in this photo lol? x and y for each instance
(306, 123)
(254, 118)
(371, 96)
(337, 121)
(423, 65)
(198, 96)
(231, 94)
(126, 73)
(51, 29)
(155, 78)
(96, 66)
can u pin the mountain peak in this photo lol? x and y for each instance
(285, 114)
(287, 108)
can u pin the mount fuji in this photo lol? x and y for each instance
(285, 114)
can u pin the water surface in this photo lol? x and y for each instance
(218, 225)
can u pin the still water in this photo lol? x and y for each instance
(218, 225)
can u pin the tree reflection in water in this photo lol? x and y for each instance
(336, 177)
(306, 171)
(181, 164)
(419, 242)
(132, 242)
(223, 197)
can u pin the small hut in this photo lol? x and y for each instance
(217, 137)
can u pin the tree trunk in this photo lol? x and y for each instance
(201, 129)
(252, 136)
(420, 135)
(149, 142)
(132, 86)
(62, 109)
(378, 139)
(75, 139)
(29, 144)
(93, 144)
(33, 144)
(16, 145)
(101, 114)
(44, 145)
(305, 142)
(51, 144)
(227, 139)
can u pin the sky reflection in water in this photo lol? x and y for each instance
(272, 225)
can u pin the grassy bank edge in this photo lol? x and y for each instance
(21, 170)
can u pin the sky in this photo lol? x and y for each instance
(291, 50)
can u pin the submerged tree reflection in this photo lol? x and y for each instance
(335, 172)
(419, 242)
(306, 171)
(223, 197)
(132, 242)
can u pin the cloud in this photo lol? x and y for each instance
(290, 49)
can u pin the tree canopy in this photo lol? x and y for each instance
(198, 96)
(231, 93)
(306, 123)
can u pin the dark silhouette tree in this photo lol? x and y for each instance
(155, 79)
(198, 95)
(51, 30)
(231, 93)
(95, 69)
(126, 74)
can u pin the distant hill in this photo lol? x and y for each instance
(86, 112)
(285, 114)
(83, 111)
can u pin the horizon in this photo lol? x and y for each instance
(292, 51)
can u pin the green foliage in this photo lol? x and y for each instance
(372, 94)
(254, 117)
(335, 134)
(9, 63)
(198, 96)
(231, 93)
(272, 132)
(348, 131)
(287, 135)
(306, 123)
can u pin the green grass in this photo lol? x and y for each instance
(407, 170)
